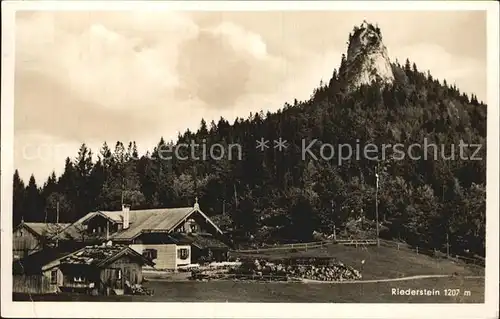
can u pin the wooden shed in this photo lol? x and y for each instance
(28, 273)
(99, 269)
(28, 238)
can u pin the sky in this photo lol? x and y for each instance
(90, 77)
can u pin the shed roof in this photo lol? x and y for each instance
(44, 229)
(34, 262)
(103, 255)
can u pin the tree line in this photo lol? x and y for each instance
(277, 196)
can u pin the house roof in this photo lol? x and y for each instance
(73, 231)
(153, 220)
(44, 229)
(103, 255)
(141, 221)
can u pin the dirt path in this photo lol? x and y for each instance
(310, 281)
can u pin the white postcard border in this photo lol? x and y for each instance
(249, 310)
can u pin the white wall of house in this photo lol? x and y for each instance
(166, 254)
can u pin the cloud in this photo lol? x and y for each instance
(224, 63)
(468, 74)
(39, 154)
(99, 64)
(107, 76)
(241, 39)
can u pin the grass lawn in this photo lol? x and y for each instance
(227, 291)
(380, 262)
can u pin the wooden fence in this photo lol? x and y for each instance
(306, 246)
(479, 261)
(33, 284)
(357, 242)
(366, 242)
(298, 246)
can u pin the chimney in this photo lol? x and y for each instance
(196, 205)
(126, 216)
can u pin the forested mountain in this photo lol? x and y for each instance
(274, 195)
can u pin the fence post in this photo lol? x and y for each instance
(398, 246)
(417, 250)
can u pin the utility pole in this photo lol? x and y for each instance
(57, 223)
(195, 178)
(447, 246)
(235, 195)
(334, 228)
(376, 208)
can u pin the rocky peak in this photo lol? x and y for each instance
(367, 59)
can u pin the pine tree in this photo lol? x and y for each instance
(343, 62)
(67, 184)
(83, 169)
(203, 131)
(407, 66)
(34, 205)
(19, 199)
(414, 68)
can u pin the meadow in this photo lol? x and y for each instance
(380, 263)
(229, 291)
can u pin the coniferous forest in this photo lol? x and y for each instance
(276, 196)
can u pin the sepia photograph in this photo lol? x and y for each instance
(250, 159)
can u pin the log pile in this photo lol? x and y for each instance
(338, 272)
(261, 269)
(136, 289)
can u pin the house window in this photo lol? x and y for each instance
(119, 274)
(183, 253)
(20, 233)
(78, 279)
(150, 253)
(53, 277)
